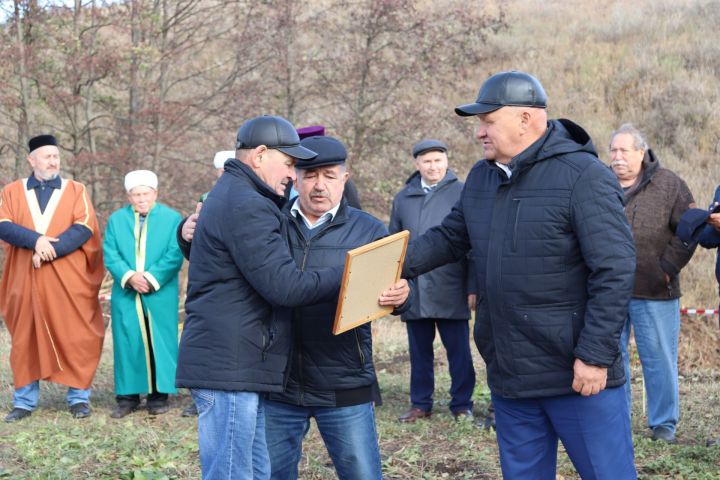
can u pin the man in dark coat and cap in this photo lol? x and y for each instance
(242, 285)
(331, 377)
(442, 299)
(554, 264)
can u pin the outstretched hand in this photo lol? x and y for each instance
(396, 295)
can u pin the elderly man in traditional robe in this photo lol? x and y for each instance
(144, 259)
(50, 282)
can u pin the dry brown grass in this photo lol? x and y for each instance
(654, 63)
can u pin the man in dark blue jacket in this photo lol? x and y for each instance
(554, 263)
(242, 284)
(235, 342)
(331, 377)
(442, 295)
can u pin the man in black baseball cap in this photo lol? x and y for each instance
(242, 285)
(506, 89)
(270, 146)
(273, 132)
(554, 265)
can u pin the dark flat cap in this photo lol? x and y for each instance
(506, 89)
(330, 151)
(273, 132)
(41, 141)
(311, 131)
(428, 145)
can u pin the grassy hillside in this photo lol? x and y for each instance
(654, 63)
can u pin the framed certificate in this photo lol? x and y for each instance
(369, 270)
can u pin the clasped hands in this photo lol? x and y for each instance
(44, 250)
(139, 283)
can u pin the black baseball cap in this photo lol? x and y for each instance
(428, 145)
(273, 132)
(330, 151)
(506, 89)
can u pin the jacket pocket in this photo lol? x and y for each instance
(516, 223)
(268, 337)
(542, 337)
(361, 354)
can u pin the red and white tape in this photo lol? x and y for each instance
(683, 311)
(699, 311)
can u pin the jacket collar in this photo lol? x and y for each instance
(238, 169)
(561, 137)
(650, 165)
(415, 185)
(33, 182)
(341, 215)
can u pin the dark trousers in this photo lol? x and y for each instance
(455, 337)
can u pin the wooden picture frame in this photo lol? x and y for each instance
(369, 270)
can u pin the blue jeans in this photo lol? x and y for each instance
(455, 337)
(595, 431)
(656, 324)
(27, 397)
(231, 435)
(348, 432)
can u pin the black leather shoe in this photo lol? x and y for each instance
(464, 415)
(664, 434)
(123, 409)
(411, 415)
(158, 408)
(190, 411)
(17, 414)
(80, 410)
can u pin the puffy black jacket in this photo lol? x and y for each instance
(241, 279)
(441, 293)
(325, 365)
(554, 262)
